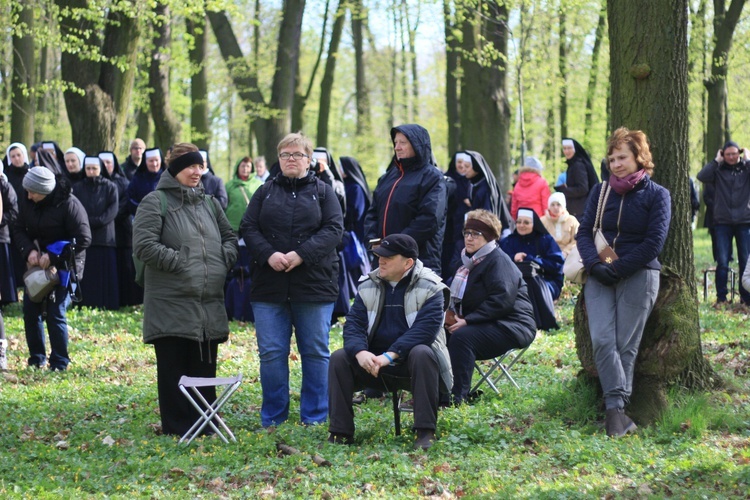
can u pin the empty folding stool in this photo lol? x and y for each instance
(209, 413)
(504, 363)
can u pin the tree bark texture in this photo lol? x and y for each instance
(364, 125)
(593, 77)
(648, 76)
(452, 56)
(22, 82)
(98, 109)
(167, 127)
(563, 66)
(725, 22)
(485, 112)
(200, 131)
(300, 99)
(326, 84)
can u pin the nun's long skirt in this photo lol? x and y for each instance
(99, 285)
(8, 281)
(131, 293)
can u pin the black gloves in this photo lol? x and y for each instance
(605, 274)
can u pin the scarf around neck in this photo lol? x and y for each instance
(458, 286)
(628, 183)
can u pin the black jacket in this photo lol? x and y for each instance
(731, 196)
(410, 198)
(59, 216)
(15, 176)
(129, 167)
(294, 214)
(580, 180)
(496, 293)
(100, 199)
(213, 185)
(10, 209)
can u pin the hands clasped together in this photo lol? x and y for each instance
(284, 261)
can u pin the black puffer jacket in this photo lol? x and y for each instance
(59, 216)
(294, 214)
(100, 199)
(410, 198)
(731, 196)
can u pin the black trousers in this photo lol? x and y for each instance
(472, 342)
(175, 357)
(420, 371)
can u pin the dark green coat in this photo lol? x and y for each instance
(187, 255)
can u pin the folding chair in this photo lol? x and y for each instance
(732, 275)
(499, 363)
(209, 413)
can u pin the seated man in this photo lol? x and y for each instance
(394, 330)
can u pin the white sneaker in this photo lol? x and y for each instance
(3, 354)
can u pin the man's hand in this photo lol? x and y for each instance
(278, 262)
(460, 323)
(293, 259)
(372, 363)
(719, 156)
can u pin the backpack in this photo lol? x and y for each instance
(138, 264)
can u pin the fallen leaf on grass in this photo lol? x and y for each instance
(62, 445)
(108, 441)
(176, 472)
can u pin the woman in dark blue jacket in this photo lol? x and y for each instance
(491, 312)
(620, 293)
(145, 179)
(99, 197)
(292, 227)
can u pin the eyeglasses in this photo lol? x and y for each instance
(472, 234)
(296, 156)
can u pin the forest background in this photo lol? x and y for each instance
(158, 70)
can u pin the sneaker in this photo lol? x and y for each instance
(617, 424)
(425, 439)
(339, 438)
(3, 354)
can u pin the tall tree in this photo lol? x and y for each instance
(648, 76)
(563, 67)
(725, 22)
(167, 127)
(452, 58)
(364, 126)
(98, 59)
(485, 112)
(200, 133)
(300, 99)
(593, 76)
(326, 85)
(23, 103)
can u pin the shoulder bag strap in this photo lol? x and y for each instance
(603, 195)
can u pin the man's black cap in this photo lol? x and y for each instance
(397, 244)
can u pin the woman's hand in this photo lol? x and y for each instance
(460, 323)
(33, 259)
(293, 260)
(519, 257)
(44, 261)
(278, 261)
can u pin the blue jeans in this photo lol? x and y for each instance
(273, 327)
(723, 235)
(55, 307)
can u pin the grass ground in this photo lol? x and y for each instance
(89, 432)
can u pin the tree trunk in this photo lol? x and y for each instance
(326, 85)
(23, 104)
(725, 22)
(588, 141)
(167, 127)
(300, 99)
(364, 127)
(485, 112)
(648, 58)
(42, 99)
(451, 79)
(412, 33)
(143, 123)
(200, 132)
(563, 65)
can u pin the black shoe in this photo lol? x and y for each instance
(617, 423)
(425, 439)
(373, 393)
(359, 398)
(339, 438)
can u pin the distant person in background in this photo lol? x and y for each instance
(260, 169)
(74, 164)
(16, 163)
(560, 224)
(212, 183)
(135, 158)
(580, 176)
(5, 268)
(239, 191)
(9, 214)
(531, 190)
(145, 178)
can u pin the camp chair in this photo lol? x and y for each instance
(732, 276)
(504, 363)
(209, 413)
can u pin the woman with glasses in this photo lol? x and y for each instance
(188, 247)
(291, 227)
(490, 311)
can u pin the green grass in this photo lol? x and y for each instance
(89, 432)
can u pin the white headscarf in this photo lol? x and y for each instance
(23, 150)
(80, 154)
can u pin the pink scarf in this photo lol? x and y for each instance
(626, 184)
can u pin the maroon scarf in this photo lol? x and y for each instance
(626, 184)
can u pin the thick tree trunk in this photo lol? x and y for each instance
(452, 48)
(485, 112)
(143, 126)
(364, 127)
(42, 100)
(24, 69)
(563, 67)
(326, 85)
(300, 99)
(648, 58)
(167, 127)
(593, 76)
(725, 22)
(200, 132)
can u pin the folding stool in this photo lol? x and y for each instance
(209, 413)
(511, 356)
(732, 275)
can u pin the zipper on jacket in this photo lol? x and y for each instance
(388, 202)
(614, 241)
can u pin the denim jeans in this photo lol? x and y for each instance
(273, 327)
(55, 307)
(617, 315)
(723, 235)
